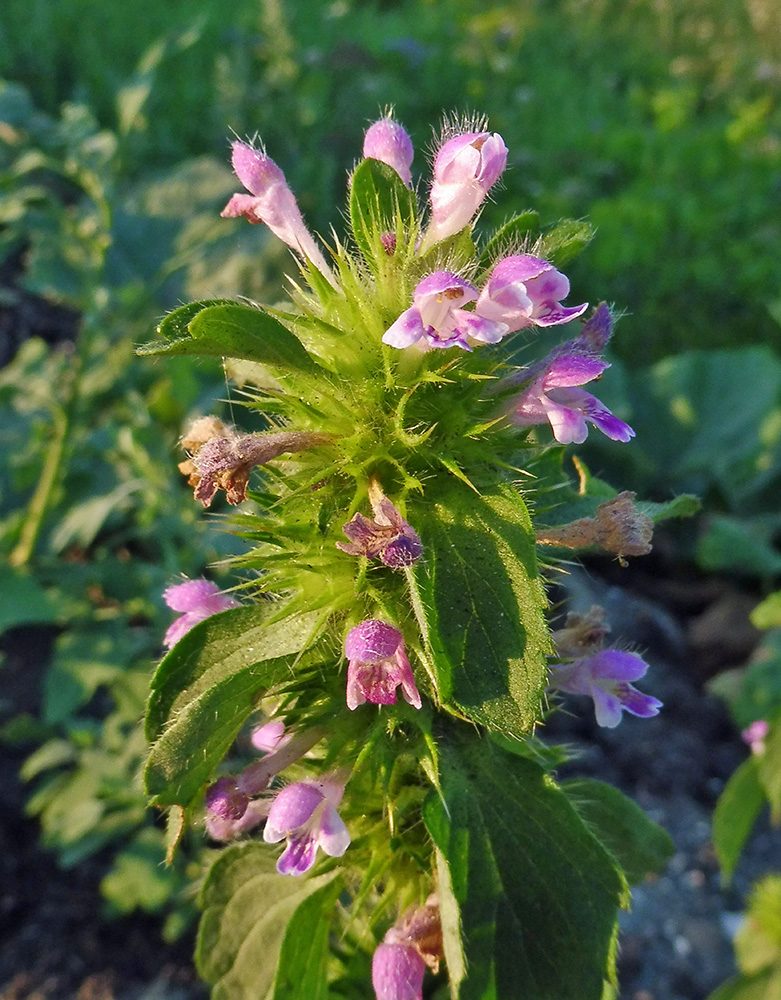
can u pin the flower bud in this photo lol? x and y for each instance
(397, 972)
(224, 799)
(388, 142)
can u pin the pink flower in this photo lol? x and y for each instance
(198, 599)
(526, 291)
(755, 735)
(378, 665)
(305, 813)
(465, 169)
(225, 799)
(397, 972)
(271, 201)
(605, 677)
(388, 142)
(552, 394)
(437, 319)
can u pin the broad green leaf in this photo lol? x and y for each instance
(22, 600)
(176, 324)
(236, 331)
(303, 960)
(565, 241)
(219, 647)
(484, 603)
(538, 894)
(247, 908)
(138, 878)
(510, 236)
(378, 198)
(183, 760)
(735, 815)
(638, 844)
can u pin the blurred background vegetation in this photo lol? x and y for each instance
(659, 120)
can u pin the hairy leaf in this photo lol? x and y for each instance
(638, 844)
(484, 602)
(247, 912)
(233, 330)
(537, 893)
(378, 197)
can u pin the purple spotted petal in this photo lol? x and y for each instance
(607, 707)
(372, 641)
(554, 314)
(568, 424)
(406, 331)
(478, 328)
(634, 701)
(299, 855)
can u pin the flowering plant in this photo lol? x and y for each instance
(390, 651)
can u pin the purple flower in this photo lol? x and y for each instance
(378, 665)
(388, 142)
(605, 676)
(388, 536)
(526, 291)
(465, 168)
(198, 599)
(755, 735)
(305, 813)
(397, 972)
(436, 316)
(552, 392)
(271, 201)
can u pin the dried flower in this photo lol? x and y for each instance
(388, 536)
(617, 526)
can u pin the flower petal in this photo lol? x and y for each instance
(333, 836)
(299, 855)
(406, 331)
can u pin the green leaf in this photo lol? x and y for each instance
(758, 941)
(138, 878)
(176, 324)
(378, 200)
(735, 814)
(247, 909)
(303, 960)
(22, 600)
(510, 236)
(638, 844)
(537, 893)
(234, 331)
(216, 649)
(742, 544)
(484, 602)
(565, 241)
(209, 689)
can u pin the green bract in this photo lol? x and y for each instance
(456, 798)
